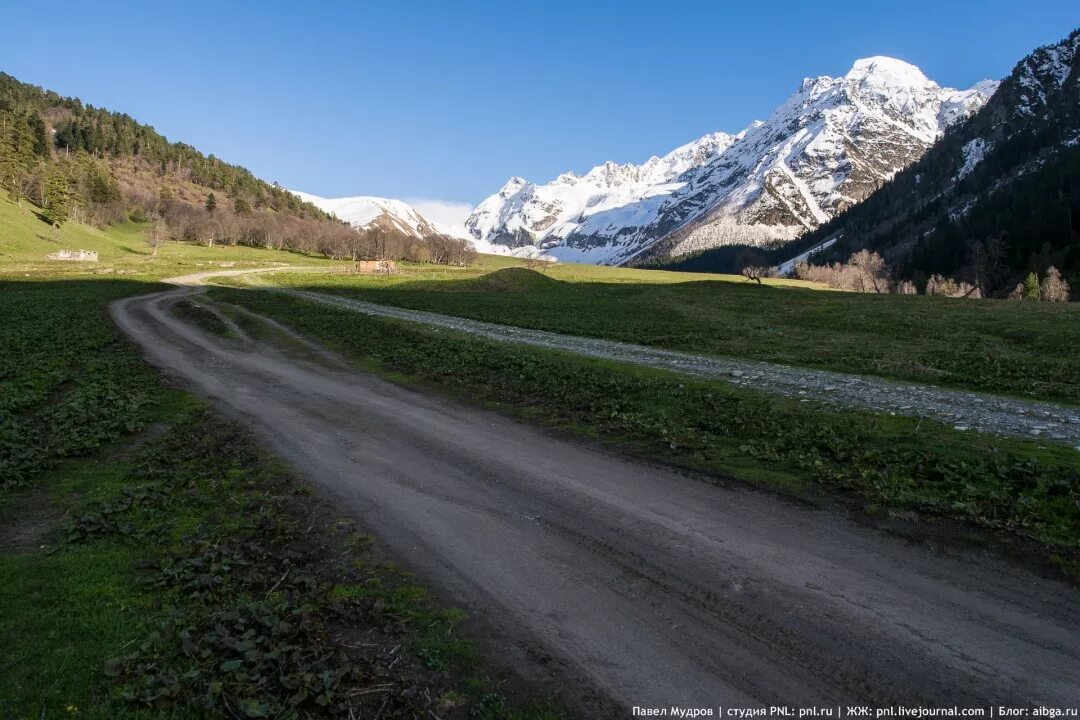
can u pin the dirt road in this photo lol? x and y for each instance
(632, 584)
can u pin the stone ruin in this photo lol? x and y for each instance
(376, 266)
(74, 255)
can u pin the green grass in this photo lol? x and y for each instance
(74, 392)
(25, 241)
(66, 612)
(897, 464)
(1024, 349)
(95, 624)
(63, 615)
(181, 581)
(68, 380)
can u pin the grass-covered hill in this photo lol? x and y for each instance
(78, 163)
(39, 126)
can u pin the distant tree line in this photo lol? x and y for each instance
(732, 258)
(866, 271)
(77, 162)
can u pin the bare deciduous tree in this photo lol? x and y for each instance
(1053, 287)
(756, 272)
(866, 272)
(157, 234)
(948, 287)
(870, 271)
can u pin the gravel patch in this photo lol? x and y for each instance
(961, 409)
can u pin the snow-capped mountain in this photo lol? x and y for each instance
(364, 212)
(524, 214)
(832, 143)
(995, 197)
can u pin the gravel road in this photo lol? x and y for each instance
(960, 409)
(627, 584)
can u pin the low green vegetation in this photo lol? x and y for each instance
(68, 382)
(1026, 349)
(153, 562)
(192, 576)
(894, 464)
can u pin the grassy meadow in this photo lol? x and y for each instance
(887, 464)
(142, 537)
(153, 560)
(1023, 349)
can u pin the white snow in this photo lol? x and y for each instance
(446, 217)
(788, 266)
(728, 231)
(607, 198)
(363, 211)
(974, 151)
(1045, 70)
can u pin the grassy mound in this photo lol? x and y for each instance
(516, 280)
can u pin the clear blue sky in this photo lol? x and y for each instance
(446, 100)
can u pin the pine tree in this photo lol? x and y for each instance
(1031, 287)
(242, 206)
(9, 168)
(57, 195)
(211, 203)
(17, 154)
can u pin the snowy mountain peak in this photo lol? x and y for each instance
(513, 186)
(695, 153)
(882, 71)
(522, 214)
(828, 146)
(365, 212)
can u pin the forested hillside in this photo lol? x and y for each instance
(76, 162)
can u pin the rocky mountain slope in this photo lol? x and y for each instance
(365, 212)
(997, 197)
(609, 196)
(832, 143)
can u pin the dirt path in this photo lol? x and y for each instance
(633, 583)
(961, 409)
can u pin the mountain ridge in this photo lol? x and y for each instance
(364, 212)
(996, 198)
(830, 144)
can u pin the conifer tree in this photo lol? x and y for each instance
(57, 196)
(211, 203)
(1031, 287)
(17, 154)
